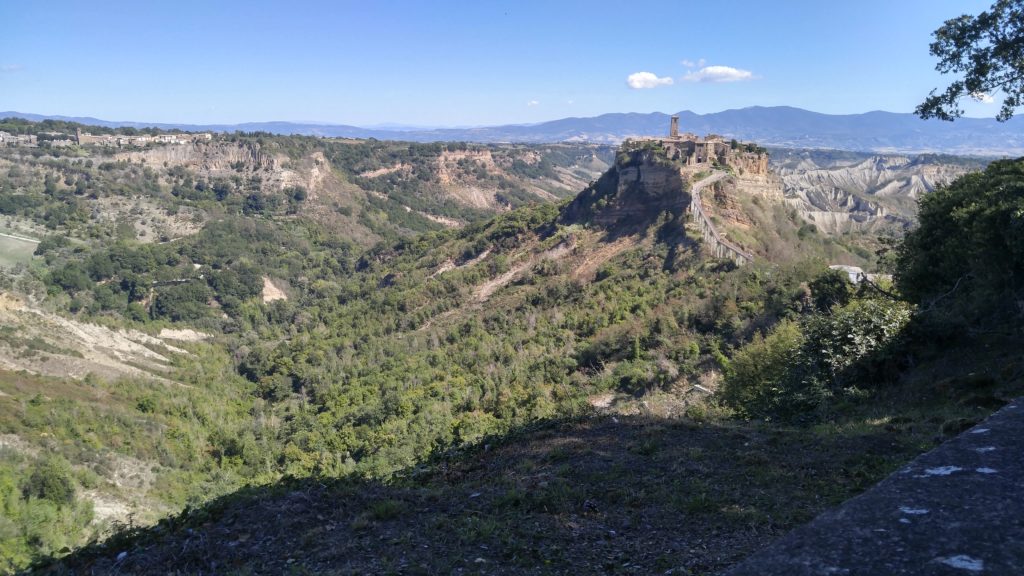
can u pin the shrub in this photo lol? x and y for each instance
(862, 330)
(793, 371)
(966, 257)
(50, 480)
(831, 288)
(759, 372)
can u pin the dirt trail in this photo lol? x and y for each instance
(450, 264)
(484, 291)
(593, 261)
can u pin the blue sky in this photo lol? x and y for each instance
(464, 62)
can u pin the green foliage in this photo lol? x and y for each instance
(186, 301)
(986, 50)
(50, 480)
(40, 513)
(760, 371)
(966, 258)
(863, 329)
(795, 371)
(831, 288)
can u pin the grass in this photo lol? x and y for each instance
(14, 251)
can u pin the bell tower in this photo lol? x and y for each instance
(673, 130)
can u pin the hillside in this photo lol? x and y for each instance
(274, 345)
(373, 360)
(158, 191)
(634, 487)
(782, 126)
(604, 495)
(862, 192)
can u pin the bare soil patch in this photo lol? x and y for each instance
(41, 342)
(271, 292)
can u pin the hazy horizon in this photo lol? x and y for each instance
(401, 126)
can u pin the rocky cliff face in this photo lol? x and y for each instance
(218, 158)
(633, 193)
(864, 193)
(749, 164)
(767, 186)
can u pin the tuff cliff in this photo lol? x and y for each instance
(635, 191)
(218, 158)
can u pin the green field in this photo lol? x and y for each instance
(14, 250)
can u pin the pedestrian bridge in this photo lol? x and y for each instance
(721, 246)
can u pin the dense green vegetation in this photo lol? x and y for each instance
(966, 259)
(380, 359)
(174, 440)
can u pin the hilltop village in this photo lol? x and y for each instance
(59, 139)
(710, 151)
(706, 162)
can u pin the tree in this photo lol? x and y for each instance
(988, 51)
(967, 254)
(51, 480)
(831, 288)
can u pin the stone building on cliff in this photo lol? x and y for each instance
(710, 151)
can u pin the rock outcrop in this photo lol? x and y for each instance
(863, 194)
(218, 158)
(641, 186)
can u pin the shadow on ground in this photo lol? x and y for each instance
(610, 495)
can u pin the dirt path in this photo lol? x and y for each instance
(588, 268)
(22, 238)
(484, 291)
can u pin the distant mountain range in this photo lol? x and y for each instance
(781, 126)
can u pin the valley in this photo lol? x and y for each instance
(210, 333)
(522, 289)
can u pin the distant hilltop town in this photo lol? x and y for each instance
(83, 138)
(694, 151)
(57, 139)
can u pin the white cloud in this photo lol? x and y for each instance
(718, 74)
(570, 101)
(11, 68)
(983, 97)
(692, 64)
(642, 80)
(533, 103)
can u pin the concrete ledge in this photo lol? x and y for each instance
(957, 510)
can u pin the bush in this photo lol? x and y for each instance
(831, 288)
(864, 329)
(180, 302)
(50, 480)
(795, 370)
(966, 257)
(759, 372)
